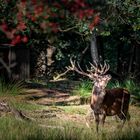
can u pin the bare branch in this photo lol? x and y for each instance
(68, 29)
(7, 67)
(55, 78)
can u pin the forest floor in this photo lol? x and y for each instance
(57, 104)
(55, 107)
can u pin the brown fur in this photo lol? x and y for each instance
(114, 102)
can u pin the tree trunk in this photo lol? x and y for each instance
(131, 59)
(137, 69)
(120, 64)
(94, 49)
(100, 48)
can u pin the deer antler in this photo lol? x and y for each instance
(104, 69)
(101, 69)
(92, 73)
(79, 69)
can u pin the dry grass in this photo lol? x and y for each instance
(68, 123)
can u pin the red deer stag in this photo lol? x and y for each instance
(104, 102)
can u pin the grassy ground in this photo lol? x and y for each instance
(61, 122)
(65, 123)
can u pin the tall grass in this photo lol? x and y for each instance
(83, 89)
(12, 129)
(11, 88)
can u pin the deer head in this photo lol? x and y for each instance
(97, 73)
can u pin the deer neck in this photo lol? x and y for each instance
(98, 91)
(97, 99)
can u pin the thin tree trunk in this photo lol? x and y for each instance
(137, 69)
(94, 50)
(100, 48)
(131, 60)
(119, 60)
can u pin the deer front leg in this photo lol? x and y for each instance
(103, 118)
(89, 118)
(97, 120)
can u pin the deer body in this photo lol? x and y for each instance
(116, 102)
(113, 102)
(104, 102)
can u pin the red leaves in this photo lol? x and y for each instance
(96, 20)
(81, 3)
(4, 26)
(39, 9)
(23, 0)
(33, 2)
(21, 26)
(87, 13)
(43, 25)
(48, 15)
(18, 39)
(56, 5)
(19, 16)
(25, 39)
(31, 17)
(54, 27)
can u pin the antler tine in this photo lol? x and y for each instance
(94, 67)
(103, 68)
(72, 63)
(72, 67)
(79, 67)
(106, 68)
(89, 70)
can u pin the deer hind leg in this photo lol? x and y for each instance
(128, 116)
(123, 117)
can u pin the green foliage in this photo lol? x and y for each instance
(83, 89)
(115, 84)
(11, 88)
(120, 32)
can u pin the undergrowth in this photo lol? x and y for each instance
(83, 89)
(11, 88)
